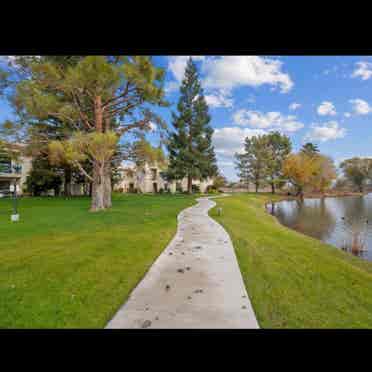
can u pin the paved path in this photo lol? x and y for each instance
(194, 283)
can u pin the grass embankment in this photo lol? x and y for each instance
(295, 281)
(61, 266)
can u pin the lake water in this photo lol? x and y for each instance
(345, 222)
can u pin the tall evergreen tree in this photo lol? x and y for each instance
(241, 165)
(191, 153)
(251, 164)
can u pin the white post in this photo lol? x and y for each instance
(14, 188)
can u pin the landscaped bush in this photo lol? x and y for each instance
(211, 189)
(41, 181)
(195, 188)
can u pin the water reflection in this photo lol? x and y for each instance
(344, 222)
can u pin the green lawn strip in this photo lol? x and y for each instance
(295, 281)
(62, 266)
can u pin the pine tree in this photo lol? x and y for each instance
(100, 94)
(251, 164)
(191, 153)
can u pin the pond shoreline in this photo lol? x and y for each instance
(283, 197)
(353, 238)
(310, 284)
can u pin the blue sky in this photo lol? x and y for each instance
(325, 100)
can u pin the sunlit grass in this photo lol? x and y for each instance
(61, 266)
(295, 281)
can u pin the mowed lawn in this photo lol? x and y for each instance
(63, 267)
(295, 281)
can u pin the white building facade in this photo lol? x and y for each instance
(14, 172)
(148, 179)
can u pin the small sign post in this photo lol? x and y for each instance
(15, 216)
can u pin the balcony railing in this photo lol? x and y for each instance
(8, 168)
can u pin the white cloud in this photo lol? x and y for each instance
(294, 106)
(229, 140)
(221, 98)
(363, 70)
(228, 72)
(347, 114)
(326, 108)
(360, 107)
(272, 120)
(325, 132)
(153, 126)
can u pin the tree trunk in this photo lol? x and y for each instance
(189, 184)
(272, 188)
(98, 189)
(107, 201)
(90, 192)
(300, 193)
(256, 184)
(98, 114)
(68, 176)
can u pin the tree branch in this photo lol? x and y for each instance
(82, 170)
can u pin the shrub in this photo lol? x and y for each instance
(42, 180)
(211, 189)
(195, 188)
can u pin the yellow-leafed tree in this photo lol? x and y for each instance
(302, 171)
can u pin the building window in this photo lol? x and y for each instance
(5, 165)
(153, 173)
(4, 188)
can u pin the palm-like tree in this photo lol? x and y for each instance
(310, 149)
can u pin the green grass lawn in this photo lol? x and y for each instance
(295, 281)
(63, 267)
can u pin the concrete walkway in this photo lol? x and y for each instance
(194, 283)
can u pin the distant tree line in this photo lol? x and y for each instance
(357, 173)
(267, 160)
